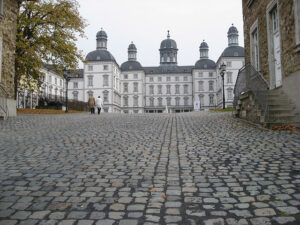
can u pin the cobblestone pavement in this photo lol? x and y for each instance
(193, 168)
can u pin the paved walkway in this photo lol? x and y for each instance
(193, 168)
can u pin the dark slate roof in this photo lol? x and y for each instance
(168, 43)
(203, 45)
(131, 66)
(233, 51)
(205, 64)
(102, 34)
(76, 73)
(168, 69)
(132, 47)
(232, 29)
(100, 55)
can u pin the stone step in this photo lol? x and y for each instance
(279, 107)
(284, 118)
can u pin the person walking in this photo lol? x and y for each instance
(91, 104)
(99, 104)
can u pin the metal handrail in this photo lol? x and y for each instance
(251, 80)
(3, 100)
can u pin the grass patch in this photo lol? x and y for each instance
(45, 111)
(223, 110)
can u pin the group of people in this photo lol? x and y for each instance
(92, 103)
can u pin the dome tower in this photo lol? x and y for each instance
(132, 52)
(168, 52)
(203, 50)
(101, 38)
(233, 36)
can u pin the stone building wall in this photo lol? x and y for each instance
(257, 10)
(8, 34)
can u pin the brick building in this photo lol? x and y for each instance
(8, 19)
(272, 48)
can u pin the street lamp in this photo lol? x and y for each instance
(65, 74)
(222, 73)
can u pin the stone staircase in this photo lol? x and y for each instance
(281, 110)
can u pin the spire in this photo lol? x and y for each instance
(204, 50)
(168, 36)
(233, 36)
(101, 38)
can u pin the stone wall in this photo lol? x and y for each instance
(248, 108)
(8, 34)
(257, 10)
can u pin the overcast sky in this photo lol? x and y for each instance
(145, 22)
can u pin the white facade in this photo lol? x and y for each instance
(131, 88)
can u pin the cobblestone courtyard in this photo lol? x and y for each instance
(193, 168)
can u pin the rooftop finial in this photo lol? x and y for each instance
(168, 34)
(131, 42)
(232, 24)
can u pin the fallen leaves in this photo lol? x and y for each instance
(152, 190)
(291, 128)
(163, 196)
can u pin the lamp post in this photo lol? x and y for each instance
(222, 73)
(65, 74)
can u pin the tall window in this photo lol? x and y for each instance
(168, 101)
(135, 100)
(229, 93)
(211, 86)
(186, 101)
(186, 89)
(75, 85)
(176, 78)
(151, 101)
(105, 67)
(1, 46)
(168, 89)
(55, 80)
(168, 78)
(126, 76)
(211, 99)
(135, 87)
(151, 90)
(210, 74)
(228, 64)
(177, 101)
(135, 76)
(90, 68)
(200, 86)
(90, 81)
(90, 93)
(125, 87)
(229, 77)
(185, 78)
(200, 74)
(105, 96)
(159, 101)
(159, 89)
(75, 95)
(50, 79)
(201, 99)
(125, 100)
(151, 79)
(105, 80)
(176, 89)
(159, 78)
(60, 82)
(254, 46)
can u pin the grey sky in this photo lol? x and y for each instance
(145, 22)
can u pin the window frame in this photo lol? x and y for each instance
(1, 50)
(297, 24)
(255, 59)
(1, 11)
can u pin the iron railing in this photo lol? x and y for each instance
(3, 101)
(250, 80)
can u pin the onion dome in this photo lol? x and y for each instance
(203, 50)
(131, 64)
(168, 51)
(101, 53)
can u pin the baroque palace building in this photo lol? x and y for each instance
(132, 88)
